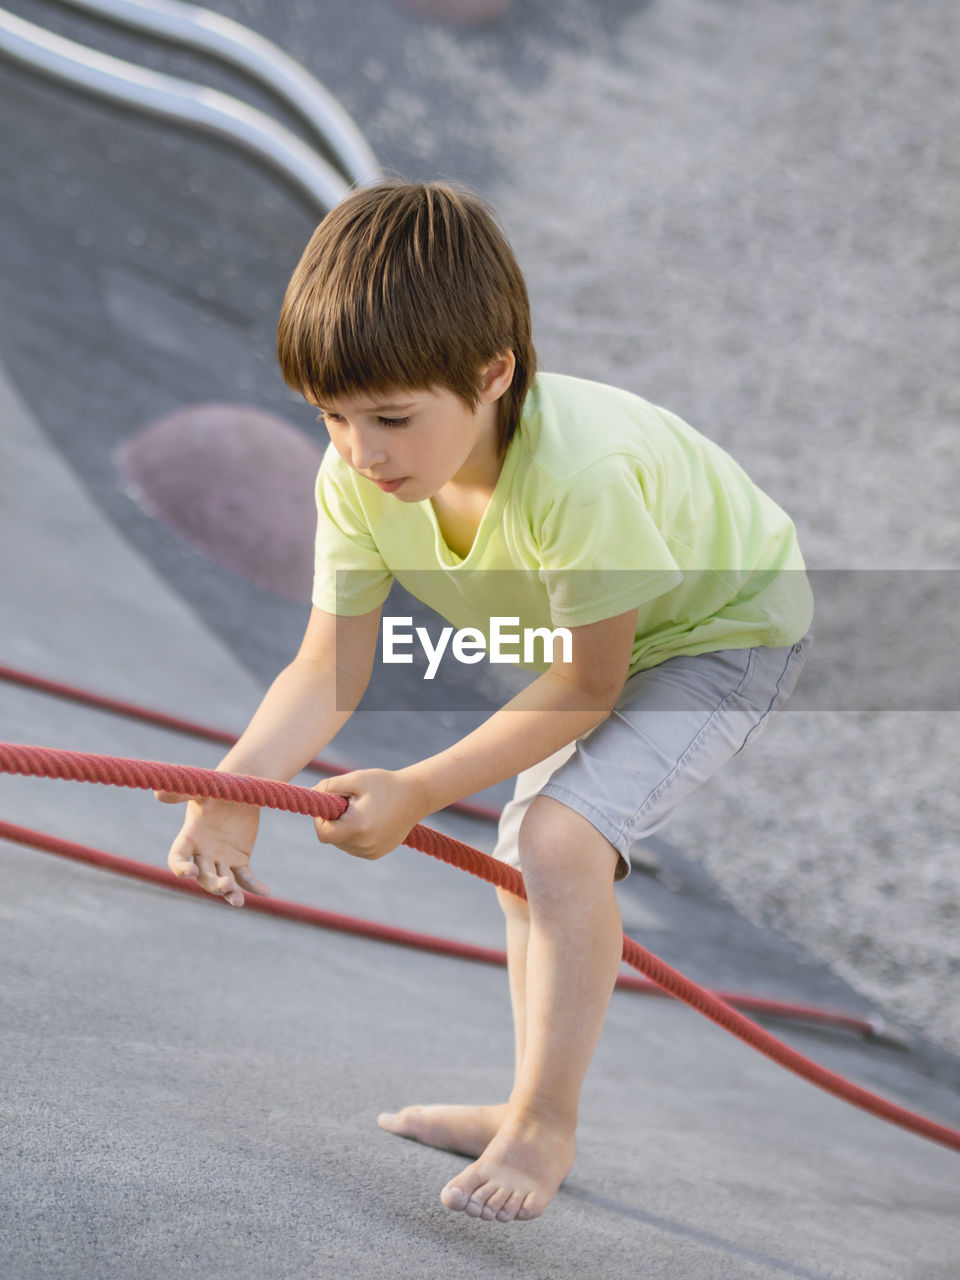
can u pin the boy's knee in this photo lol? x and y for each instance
(557, 841)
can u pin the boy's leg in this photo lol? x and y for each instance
(517, 912)
(469, 1128)
(573, 956)
(674, 726)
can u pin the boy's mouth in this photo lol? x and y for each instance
(390, 486)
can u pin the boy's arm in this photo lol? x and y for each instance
(311, 700)
(565, 702)
(307, 704)
(559, 706)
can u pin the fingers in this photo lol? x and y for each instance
(381, 809)
(186, 863)
(227, 885)
(180, 859)
(353, 840)
(215, 876)
(326, 830)
(346, 835)
(340, 790)
(171, 797)
(358, 829)
(248, 881)
(333, 830)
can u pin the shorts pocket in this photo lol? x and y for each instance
(774, 679)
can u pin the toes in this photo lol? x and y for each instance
(403, 1123)
(477, 1204)
(454, 1197)
(508, 1211)
(529, 1209)
(457, 1195)
(496, 1202)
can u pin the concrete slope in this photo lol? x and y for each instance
(192, 1091)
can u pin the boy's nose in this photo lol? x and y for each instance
(366, 453)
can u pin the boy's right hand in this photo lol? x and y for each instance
(214, 846)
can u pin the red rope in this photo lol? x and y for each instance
(150, 775)
(269, 906)
(208, 733)
(873, 1026)
(403, 937)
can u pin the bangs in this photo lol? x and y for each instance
(405, 287)
(342, 345)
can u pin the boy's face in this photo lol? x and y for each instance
(413, 443)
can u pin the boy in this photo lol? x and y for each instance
(407, 324)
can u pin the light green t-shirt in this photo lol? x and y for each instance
(604, 502)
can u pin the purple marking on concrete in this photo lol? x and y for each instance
(237, 483)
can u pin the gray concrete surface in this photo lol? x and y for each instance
(195, 1095)
(743, 212)
(191, 1091)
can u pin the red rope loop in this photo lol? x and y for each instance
(147, 775)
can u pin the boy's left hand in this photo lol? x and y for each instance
(383, 807)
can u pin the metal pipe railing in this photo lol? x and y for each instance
(169, 97)
(231, 42)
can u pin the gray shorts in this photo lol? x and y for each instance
(671, 729)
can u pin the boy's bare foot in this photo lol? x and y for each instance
(466, 1130)
(518, 1173)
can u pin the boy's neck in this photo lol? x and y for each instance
(481, 469)
(460, 505)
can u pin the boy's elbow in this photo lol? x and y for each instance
(597, 690)
(601, 654)
(605, 695)
(603, 682)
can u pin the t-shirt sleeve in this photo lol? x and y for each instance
(601, 552)
(349, 576)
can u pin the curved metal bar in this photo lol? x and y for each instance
(173, 99)
(189, 24)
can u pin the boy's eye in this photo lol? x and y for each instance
(326, 416)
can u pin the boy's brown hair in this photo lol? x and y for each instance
(407, 286)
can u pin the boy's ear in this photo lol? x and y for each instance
(497, 376)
